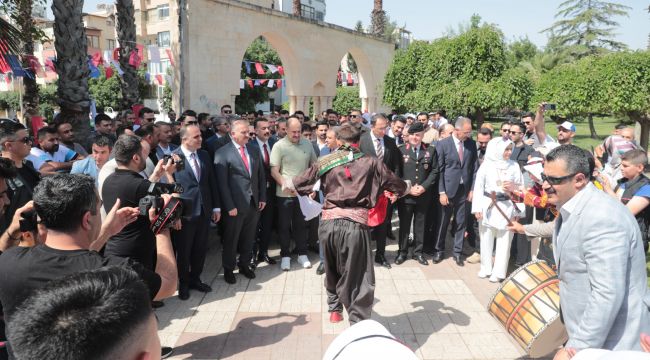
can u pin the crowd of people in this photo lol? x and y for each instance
(495, 198)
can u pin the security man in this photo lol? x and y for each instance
(421, 168)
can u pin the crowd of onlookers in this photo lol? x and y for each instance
(481, 186)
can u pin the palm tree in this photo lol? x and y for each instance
(25, 24)
(9, 36)
(296, 8)
(72, 64)
(127, 39)
(378, 18)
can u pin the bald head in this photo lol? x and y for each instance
(294, 127)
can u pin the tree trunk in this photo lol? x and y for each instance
(480, 118)
(297, 11)
(25, 24)
(126, 37)
(378, 18)
(592, 128)
(645, 132)
(72, 64)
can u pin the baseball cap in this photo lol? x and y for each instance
(567, 125)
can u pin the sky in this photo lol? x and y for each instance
(429, 19)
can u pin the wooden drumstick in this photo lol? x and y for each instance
(494, 203)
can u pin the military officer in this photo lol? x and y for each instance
(421, 168)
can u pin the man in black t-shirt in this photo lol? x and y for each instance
(68, 205)
(136, 240)
(15, 145)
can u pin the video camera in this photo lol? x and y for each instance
(180, 163)
(166, 215)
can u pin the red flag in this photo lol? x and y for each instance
(140, 48)
(97, 59)
(171, 58)
(281, 70)
(250, 83)
(49, 65)
(4, 64)
(136, 110)
(35, 65)
(338, 77)
(350, 81)
(278, 83)
(116, 54)
(109, 72)
(159, 78)
(377, 214)
(263, 81)
(259, 68)
(134, 59)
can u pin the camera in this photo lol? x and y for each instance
(148, 202)
(180, 163)
(162, 188)
(166, 214)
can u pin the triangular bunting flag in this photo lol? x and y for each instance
(109, 72)
(281, 70)
(248, 67)
(257, 83)
(272, 68)
(97, 59)
(15, 65)
(259, 69)
(349, 79)
(49, 64)
(135, 59)
(140, 49)
(117, 67)
(278, 83)
(250, 83)
(242, 83)
(107, 58)
(270, 85)
(147, 77)
(94, 71)
(170, 57)
(160, 80)
(116, 54)
(168, 79)
(154, 54)
(263, 81)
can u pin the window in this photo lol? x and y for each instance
(307, 11)
(92, 41)
(111, 44)
(320, 16)
(163, 11)
(163, 39)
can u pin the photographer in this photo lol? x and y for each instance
(95, 314)
(68, 205)
(136, 240)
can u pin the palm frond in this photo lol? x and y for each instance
(10, 36)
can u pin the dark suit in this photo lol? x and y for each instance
(213, 143)
(393, 160)
(191, 241)
(265, 223)
(421, 168)
(452, 173)
(241, 190)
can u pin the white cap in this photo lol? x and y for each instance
(567, 125)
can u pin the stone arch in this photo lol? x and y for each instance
(366, 76)
(318, 96)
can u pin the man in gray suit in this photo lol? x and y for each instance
(598, 250)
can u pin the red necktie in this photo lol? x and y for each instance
(266, 155)
(460, 152)
(244, 158)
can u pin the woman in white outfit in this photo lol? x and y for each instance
(500, 175)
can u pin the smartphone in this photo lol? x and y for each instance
(550, 106)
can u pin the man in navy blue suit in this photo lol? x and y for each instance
(199, 184)
(264, 142)
(242, 190)
(458, 163)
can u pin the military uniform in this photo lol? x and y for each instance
(421, 168)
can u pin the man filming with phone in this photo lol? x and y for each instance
(536, 135)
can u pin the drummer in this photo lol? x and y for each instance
(493, 207)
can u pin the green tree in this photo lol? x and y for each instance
(106, 92)
(586, 27)
(259, 51)
(346, 98)
(48, 100)
(358, 27)
(521, 50)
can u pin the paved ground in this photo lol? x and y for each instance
(439, 311)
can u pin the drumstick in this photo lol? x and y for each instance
(494, 202)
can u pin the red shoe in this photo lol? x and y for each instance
(335, 317)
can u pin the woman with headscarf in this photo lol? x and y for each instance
(494, 208)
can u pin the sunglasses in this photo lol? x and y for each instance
(227, 111)
(552, 180)
(191, 123)
(353, 116)
(25, 140)
(505, 130)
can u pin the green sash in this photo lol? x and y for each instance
(337, 158)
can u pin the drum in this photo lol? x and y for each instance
(528, 305)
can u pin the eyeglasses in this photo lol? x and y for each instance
(227, 111)
(505, 130)
(353, 116)
(25, 140)
(552, 180)
(191, 123)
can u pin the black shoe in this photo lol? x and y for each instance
(381, 260)
(400, 259)
(421, 260)
(252, 263)
(247, 272)
(183, 292)
(229, 276)
(390, 235)
(437, 257)
(200, 286)
(321, 269)
(166, 352)
(157, 304)
(458, 260)
(266, 258)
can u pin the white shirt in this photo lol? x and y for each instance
(167, 150)
(458, 144)
(189, 155)
(39, 157)
(261, 144)
(248, 157)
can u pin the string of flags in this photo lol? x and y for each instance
(269, 83)
(347, 78)
(259, 68)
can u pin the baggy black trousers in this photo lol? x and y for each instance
(349, 272)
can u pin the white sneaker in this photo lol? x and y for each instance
(482, 275)
(495, 279)
(304, 261)
(285, 264)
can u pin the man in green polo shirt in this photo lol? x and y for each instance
(290, 157)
